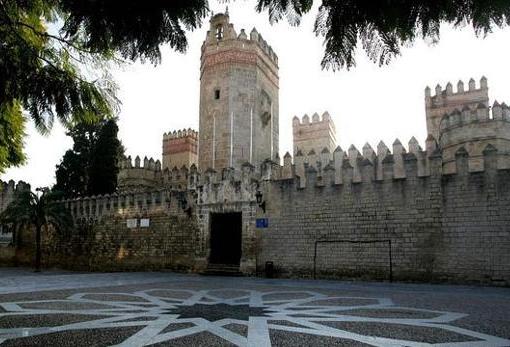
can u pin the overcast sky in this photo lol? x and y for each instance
(368, 103)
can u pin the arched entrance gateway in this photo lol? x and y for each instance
(226, 210)
(225, 239)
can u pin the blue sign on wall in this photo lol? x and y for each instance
(262, 223)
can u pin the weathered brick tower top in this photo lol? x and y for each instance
(238, 97)
(180, 148)
(314, 136)
(465, 126)
(446, 101)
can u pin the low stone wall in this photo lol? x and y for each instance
(7, 255)
(109, 245)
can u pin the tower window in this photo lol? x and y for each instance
(219, 32)
(216, 94)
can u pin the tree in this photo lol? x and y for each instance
(45, 45)
(384, 27)
(28, 210)
(41, 74)
(104, 164)
(92, 165)
(12, 125)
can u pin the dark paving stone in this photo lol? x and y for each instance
(44, 320)
(289, 339)
(76, 338)
(286, 323)
(128, 311)
(401, 331)
(177, 326)
(305, 315)
(217, 312)
(388, 313)
(237, 328)
(60, 305)
(114, 297)
(171, 294)
(285, 296)
(227, 294)
(341, 302)
(203, 339)
(490, 325)
(240, 301)
(139, 319)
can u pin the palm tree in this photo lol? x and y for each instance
(30, 210)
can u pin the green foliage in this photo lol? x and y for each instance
(91, 167)
(382, 28)
(104, 164)
(42, 75)
(27, 210)
(134, 28)
(46, 44)
(12, 125)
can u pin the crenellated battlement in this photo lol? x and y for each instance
(482, 114)
(447, 100)
(136, 175)
(472, 130)
(445, 95)
(316, 119)
(222, 34)
(136, 163)
(355, 166)
(256, 37)
(127, 204)
(179, 134)
(315, 134)
(8, 190)
(180, 148)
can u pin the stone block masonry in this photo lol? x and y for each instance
(443, 227)
(313, 136)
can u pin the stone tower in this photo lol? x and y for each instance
(180, 148)
(317, 134)
(446, 101)
(238, 98)
(464, 125)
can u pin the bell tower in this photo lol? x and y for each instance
(238, 97)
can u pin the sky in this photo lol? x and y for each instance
(368, 103)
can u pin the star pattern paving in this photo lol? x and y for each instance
(166, 315)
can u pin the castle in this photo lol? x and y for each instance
(222, 200)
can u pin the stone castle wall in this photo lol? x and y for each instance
(110, 234)
(453, 227)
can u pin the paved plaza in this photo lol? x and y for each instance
(166, 309)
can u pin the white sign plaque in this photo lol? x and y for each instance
(144, 222)
(131, 223)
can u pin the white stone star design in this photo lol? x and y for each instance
(291, 312)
